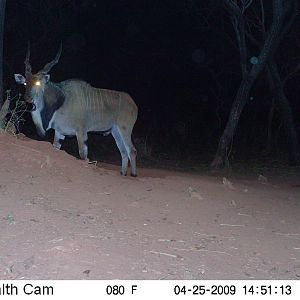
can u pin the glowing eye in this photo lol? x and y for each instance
(38, 83)
(25, 83)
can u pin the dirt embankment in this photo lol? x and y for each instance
(61, 218)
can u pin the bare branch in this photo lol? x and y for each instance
(238, 22)
(262, 16)
(246, 4)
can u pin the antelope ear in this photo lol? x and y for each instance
(47, 78)
(20, 79)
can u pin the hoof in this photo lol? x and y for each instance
(123, 174)
(56, 147)
(86, 160)
(133, 175)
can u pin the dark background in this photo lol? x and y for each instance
(178, 60)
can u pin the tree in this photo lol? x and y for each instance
(2, 14)
(281, 14)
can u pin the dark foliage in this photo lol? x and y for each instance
(177, 58)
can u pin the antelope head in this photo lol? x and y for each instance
(35, 83)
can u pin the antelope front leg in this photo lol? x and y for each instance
(58, 139)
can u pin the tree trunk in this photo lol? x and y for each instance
(3, 112)
(236, 110)
(270, 45)
(270, 137)
(286, 112)
(277, 88)
(2, 14)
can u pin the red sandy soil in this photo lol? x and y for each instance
(61, 218)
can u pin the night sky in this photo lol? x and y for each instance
(178, 59)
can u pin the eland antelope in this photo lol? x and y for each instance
(74, 108)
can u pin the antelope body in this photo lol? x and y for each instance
(74, 108)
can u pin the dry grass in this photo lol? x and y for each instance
(11, 118)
